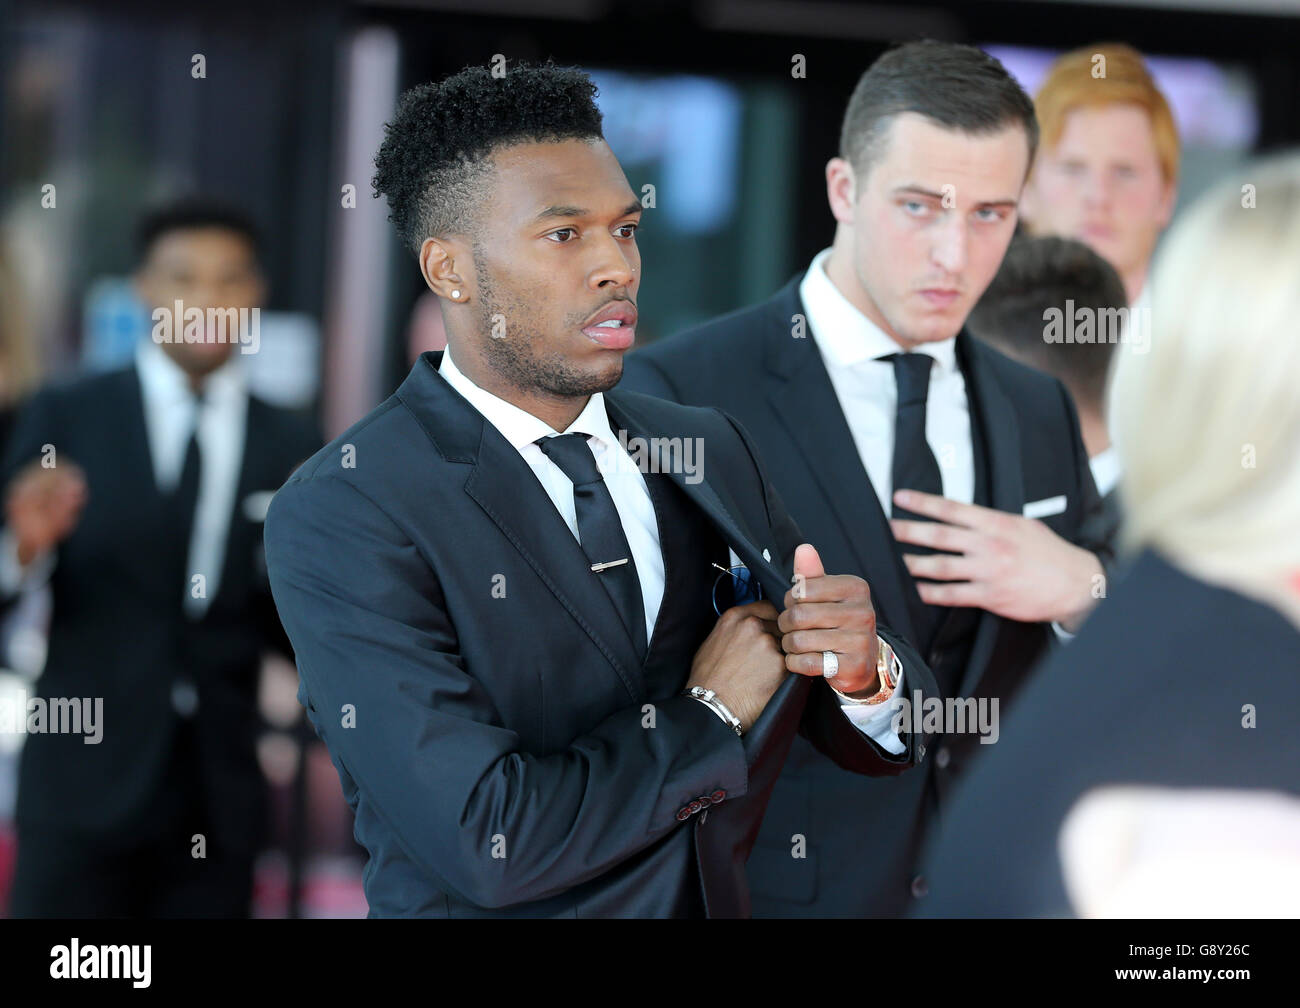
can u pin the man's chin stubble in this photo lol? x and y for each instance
(547, 375)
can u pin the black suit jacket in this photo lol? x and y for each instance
(1140, 697)
(117, 630)
(751, 365)
(493, 743)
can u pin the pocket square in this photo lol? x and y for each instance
(744, 586)
(1045, 507)
(737, 562)
(257, 504)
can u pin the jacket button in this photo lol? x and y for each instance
(920, 886)
(694, 807)
(683, 813)
(942, 758)
(718, 796)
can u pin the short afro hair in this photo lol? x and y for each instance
(189, 213)
(434, 161)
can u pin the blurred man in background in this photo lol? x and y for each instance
(1047, 289)
(1107, 171)
(859, 383)
(139, 494)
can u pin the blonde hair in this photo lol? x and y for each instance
(1070, 84)
(1207, 421)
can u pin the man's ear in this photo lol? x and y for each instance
(841, 189)
(444, 264)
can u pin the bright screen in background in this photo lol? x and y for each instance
(705, 145)
(688, 130)
(1214, 107)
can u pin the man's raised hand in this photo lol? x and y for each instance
(1013, 566)
(829, 612)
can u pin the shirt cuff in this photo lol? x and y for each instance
(876, 721)
(14, 577)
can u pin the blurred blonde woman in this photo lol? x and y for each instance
(1209, 419)
(1153, 767)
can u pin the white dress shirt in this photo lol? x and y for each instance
(849, 344)
(1135, 338)
(631, 499)
(169, 418)
(1105, 470)
(1137, 334)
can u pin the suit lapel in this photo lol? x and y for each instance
(505, 487)
(255, 459)
(724, 849)
(991, 408)
(702, 493)
(800, 391)
(137, 460)
(136, 482)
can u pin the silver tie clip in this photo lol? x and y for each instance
(597, 568)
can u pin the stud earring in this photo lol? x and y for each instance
(455, 293)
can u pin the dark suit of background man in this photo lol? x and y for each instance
(494, 621)
(856, 380)
(1062, 283)
(140, 494)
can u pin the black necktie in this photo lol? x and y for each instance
(914, 465)
(181, 505)
(600, 531)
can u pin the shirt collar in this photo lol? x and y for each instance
(844, 335)
(1105, 466)
(165, 381)
(518, 426)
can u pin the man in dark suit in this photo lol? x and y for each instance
(857, 381)
(505, 614)
(1060, 308)
(140, 494)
